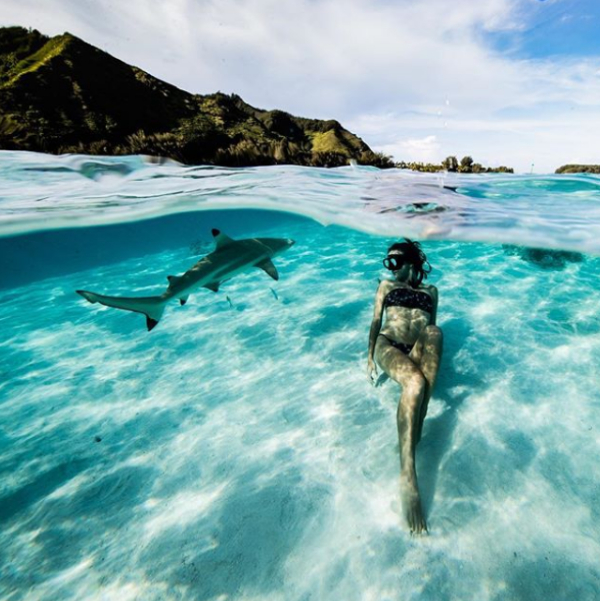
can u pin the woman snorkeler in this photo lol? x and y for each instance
(408, 349)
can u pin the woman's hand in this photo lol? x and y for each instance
(371, 370)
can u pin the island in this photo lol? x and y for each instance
(578, 169)
(62, 95)
(451, 164)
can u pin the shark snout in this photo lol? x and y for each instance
(277, 245)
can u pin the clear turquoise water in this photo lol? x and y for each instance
(238, 451)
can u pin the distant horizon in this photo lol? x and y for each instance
(507, 82)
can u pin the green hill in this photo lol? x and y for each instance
(62, 95)
(578, 169)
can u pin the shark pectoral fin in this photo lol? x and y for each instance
(183, 300)
(173, 279)
(214, 286)
(150, 323)
(221, 239)
(267, 265)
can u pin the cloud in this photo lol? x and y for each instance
(425, 149)
(394, 72)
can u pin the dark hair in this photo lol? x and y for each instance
(416, 257)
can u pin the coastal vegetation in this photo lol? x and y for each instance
(579, 169)
(452, 164)
(62, 95)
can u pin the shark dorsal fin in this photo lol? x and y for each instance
(173, 279)
(267, 265)
(221, 239)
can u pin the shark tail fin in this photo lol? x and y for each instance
(151, 306)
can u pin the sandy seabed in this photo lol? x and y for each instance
(239, 452)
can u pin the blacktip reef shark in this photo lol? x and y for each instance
(229, 258)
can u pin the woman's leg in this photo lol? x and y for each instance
(427, 354)
(403, 370)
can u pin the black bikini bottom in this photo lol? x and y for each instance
(401, 346)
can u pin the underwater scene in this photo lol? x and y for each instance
(238, 450)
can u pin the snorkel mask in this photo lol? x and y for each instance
(394, 262)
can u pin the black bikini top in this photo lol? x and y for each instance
(409, 298)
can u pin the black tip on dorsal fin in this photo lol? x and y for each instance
(182, 301)
(151, 323)
(215, 232)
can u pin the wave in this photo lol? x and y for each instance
(45, 192)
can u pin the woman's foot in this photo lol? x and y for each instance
(411, 505)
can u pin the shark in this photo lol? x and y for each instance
(229, 258)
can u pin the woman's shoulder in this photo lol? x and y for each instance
(387, 285)
(384, 288)
(431, 290)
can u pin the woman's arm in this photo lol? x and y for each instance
(375, 327)
(434, 297)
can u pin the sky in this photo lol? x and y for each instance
(513, 82)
